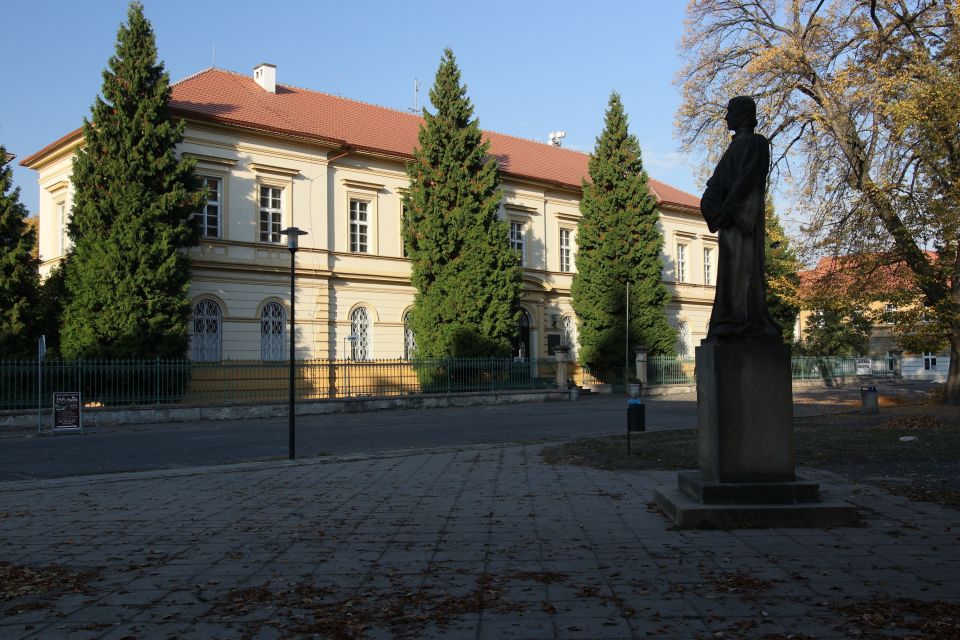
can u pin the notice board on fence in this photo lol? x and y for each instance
(67, 412)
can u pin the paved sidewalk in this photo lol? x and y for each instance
(476, 542)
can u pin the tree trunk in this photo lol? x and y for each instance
(951, 393)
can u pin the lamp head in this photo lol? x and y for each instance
(293, 234)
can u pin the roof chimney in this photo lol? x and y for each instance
(266, 76)
(554, 137)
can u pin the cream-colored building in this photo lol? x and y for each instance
(276, 156)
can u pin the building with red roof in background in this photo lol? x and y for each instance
(276, 156)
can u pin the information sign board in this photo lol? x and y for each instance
(864, 367)
(67, 412)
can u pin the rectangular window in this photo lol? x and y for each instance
(565, 250)
(517, 241)
(708, 266)
(889, 313)
(271, 213)
(64, 237)
(359, 226)
(681, 263)
(208, 218)
(929, 361)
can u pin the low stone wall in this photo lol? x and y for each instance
(117, 416)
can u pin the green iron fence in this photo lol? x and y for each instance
(165, 382)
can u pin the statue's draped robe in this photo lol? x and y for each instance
(733, 203)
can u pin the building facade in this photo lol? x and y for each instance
(275, 156)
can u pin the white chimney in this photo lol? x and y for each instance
(266, 76)
(554, 137)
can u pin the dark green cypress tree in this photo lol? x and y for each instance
(618, 240)
(129, 274)
(19, 280)
(467, 277)
(781, 270)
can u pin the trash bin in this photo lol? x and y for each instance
(869, 404)
(636, 415)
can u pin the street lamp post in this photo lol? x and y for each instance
(293, 234)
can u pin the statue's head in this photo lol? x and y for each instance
(741, 112)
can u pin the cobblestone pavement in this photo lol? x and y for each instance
(477, 542)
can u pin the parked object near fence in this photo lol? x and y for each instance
(67, 413)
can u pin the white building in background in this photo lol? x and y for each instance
(275, 156)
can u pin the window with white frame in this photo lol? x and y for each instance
(273, 332)
(708, 265)
(889, 313)
(409, 340)
(359, 226)
(566, 250)
(517, 241)
(929, 361)
(207, 318)
(360, 327)
(208, 218)
(64, 235)
(271, 213)
(681, 262)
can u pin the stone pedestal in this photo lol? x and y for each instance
(745, 427)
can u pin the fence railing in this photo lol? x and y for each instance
(165, 382)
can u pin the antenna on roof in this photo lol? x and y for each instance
(213, 55)
(416, 97)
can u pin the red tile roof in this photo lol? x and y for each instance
(230, 98)
(874, 276)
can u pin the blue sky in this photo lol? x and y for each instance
(530, 67)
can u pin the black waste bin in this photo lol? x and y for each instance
(869, 403)
(636, 415)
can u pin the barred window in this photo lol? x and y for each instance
(360, 327)
(568, 334)
(409, 340)
(273, 332)
(206, 331)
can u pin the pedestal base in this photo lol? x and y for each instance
(690, 514)
(745, 440)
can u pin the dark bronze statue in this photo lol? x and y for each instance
(733, 204)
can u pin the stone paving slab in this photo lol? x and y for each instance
(476, 542)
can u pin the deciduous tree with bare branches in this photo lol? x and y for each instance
(861, 101)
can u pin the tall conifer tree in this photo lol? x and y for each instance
(782, 266)
(467, 277)
(19, 284)
(129, 274)
(617, 241)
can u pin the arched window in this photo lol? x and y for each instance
(522, 346)
(568, 334)
(360, 327)
(683, 339)
(273, 331)
(206, 331)
(409, 341)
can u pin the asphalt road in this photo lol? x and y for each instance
(164, 446)
(184, 445)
